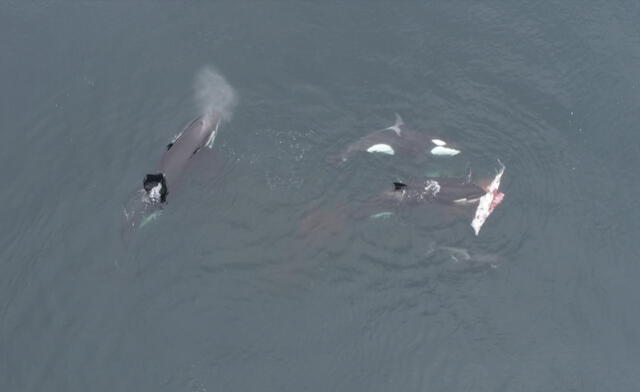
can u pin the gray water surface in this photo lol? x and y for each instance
(261, 275)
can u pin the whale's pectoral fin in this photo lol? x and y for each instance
(212, 136)
(173, 141)
(398, 186)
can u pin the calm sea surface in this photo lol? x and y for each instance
(265, 273)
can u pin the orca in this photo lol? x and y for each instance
(398, 139)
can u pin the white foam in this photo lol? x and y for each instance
(432, 187)
(154, 193)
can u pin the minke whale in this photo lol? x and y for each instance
(216, 99)
(199, 133)
(148, 202)
(398, 139)
(489, 201)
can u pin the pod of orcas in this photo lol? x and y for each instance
(200, 133)
(398, 139)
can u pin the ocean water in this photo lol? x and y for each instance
(265, 272)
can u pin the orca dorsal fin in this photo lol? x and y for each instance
(398, 186)
(397, 125)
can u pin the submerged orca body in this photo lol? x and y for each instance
(398, 139)
(147, 203)
(465, 258)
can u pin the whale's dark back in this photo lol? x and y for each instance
(192, 138)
